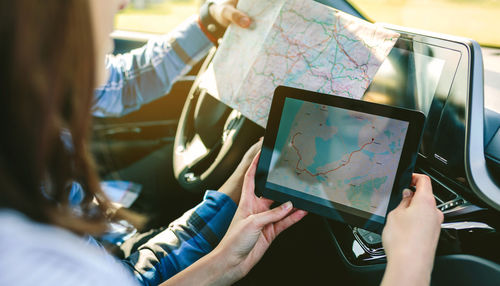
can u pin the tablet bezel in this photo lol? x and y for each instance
(317, 205)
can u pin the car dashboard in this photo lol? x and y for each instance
(442, 76)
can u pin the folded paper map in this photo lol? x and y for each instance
(297, 43)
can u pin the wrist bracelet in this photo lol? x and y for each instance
(212, 29)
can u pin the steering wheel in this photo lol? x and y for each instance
(211, 139)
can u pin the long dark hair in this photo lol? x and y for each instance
(46, 84)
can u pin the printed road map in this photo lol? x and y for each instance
(339, 155)
(297, 43)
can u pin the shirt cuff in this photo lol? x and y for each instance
(191, 39)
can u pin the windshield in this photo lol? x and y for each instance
(474, 19)
(155, 16)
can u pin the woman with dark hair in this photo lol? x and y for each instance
(53, 59)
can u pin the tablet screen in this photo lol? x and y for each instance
(341, 158)
(337, 155)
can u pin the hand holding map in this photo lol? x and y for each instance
(296, 43)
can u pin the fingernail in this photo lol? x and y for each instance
(261, 138)
(286, 206)
(406, 193)
(244, 21)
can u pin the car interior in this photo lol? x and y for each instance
(447, 77)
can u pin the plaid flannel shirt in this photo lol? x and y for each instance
(186, 240)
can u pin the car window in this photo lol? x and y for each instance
(155, 16)
(475, 19)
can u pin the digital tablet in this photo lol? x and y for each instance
(340, 158)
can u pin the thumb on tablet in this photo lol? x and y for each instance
(407, 196)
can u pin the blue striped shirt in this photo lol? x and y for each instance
(147, 73)
(186, 240)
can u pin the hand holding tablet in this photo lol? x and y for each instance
(341, 158)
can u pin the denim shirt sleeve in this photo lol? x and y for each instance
(186, 240)
(147, 73)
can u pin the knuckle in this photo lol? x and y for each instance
(252, 220)
(424, 178)
(391, 215)
(235, 16)
(440, 216)
(224, 9)
(248, 175)
(429, 199)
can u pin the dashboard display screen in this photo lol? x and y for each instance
(420, 75)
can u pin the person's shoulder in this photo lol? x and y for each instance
(34, 253)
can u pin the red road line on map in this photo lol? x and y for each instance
(335, 32)
(324, 173)
(299, 45)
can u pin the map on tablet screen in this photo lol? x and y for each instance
(339, 155)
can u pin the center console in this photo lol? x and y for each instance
(441, 76)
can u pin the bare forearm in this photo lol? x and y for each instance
(211, 269)
(406, 273)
